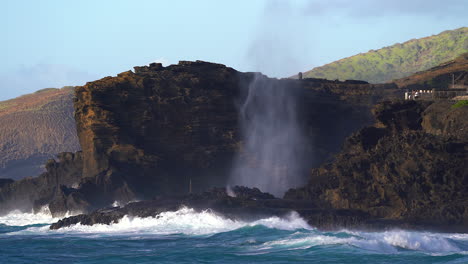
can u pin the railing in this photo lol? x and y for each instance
(435, 94)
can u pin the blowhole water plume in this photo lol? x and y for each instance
(273, 142)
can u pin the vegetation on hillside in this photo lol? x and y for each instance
(439, 77)
(34, 128)
(460, 104)
(396, 61)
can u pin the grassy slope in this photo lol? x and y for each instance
(439, 77)
(33, 128)
(397, 61)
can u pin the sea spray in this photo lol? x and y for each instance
(183, 221)
(188, 235)
(388, 242)
(273, 140)
(20, 218)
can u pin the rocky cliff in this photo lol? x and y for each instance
(152, 131)
(411, 165)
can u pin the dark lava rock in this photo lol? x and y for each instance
(4, 182)
(248, 205)
(410, 167)
(147, 134)
(248, 208)
(33, 193)
(150, 132)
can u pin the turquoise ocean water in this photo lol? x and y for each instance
(186, 236)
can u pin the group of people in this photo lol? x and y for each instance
(413, 95)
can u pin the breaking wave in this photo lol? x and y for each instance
(20, 218)
(185, 221)
(284, 233)
(388, 242)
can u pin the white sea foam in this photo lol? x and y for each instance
(389, 242)
(184, 221)
(122, 204)
(191, 222)
(19, 218)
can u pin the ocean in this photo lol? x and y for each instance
(187, 236)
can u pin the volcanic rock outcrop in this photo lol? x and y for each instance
(411, 165)
(153, 131)
(49, 187)
(408, 170)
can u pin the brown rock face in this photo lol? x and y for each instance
(412, 166)
(151, 132)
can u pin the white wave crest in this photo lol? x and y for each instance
(19, 218)
(389, 242)
(184, 221)
(122, 204)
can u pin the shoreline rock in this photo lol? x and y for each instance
(245, 207)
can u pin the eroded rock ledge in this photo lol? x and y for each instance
(250, 205)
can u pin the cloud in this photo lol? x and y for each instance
(29, 79)
(373, 8)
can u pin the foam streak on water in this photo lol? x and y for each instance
(211, 238)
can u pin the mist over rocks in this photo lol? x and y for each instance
(159, 133)
(153, 131)
(165, 127)
(33, 193)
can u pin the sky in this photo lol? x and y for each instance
(54, 43)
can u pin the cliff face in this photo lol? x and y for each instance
(153, 131)
(411, 165)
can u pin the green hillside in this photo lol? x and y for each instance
(396, 61)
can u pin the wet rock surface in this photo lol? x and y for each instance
(249, 205)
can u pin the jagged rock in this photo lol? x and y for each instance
(34, 193)
(148, 134)
(249, 204)
(248, 208)
(151, 132)
(411, 166)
